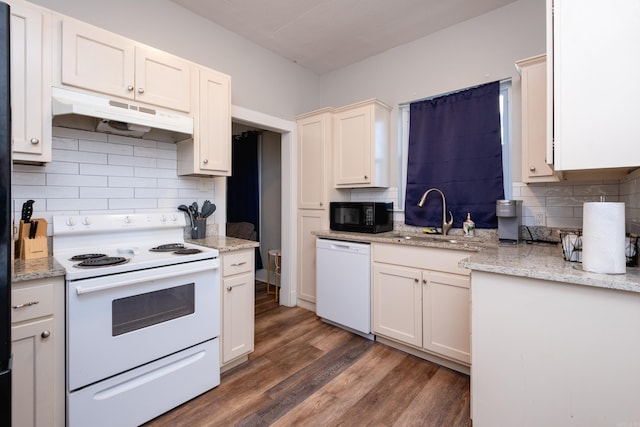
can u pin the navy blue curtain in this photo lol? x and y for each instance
(243, 192)
(455, 145)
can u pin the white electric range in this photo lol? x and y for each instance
(142, 316)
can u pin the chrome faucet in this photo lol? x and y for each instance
(446, 226)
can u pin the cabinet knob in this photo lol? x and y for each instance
(320, 203)
(45, 334)
(35, 141)
(205, 161)
(130, 88)
(229, 288)
(366, 177)
(424, 281)
(532, 168)
(140, 90)
(416, 280)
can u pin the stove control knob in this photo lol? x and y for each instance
(127, 220)
(71, 222)
(163, 219)
(174, 218)
(86, 220)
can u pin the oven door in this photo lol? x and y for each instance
(118, 322)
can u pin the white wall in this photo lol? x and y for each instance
(261, 80)
(270, 194)
(477, 51)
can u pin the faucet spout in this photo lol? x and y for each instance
(446, 225)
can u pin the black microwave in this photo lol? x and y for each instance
(361, 217)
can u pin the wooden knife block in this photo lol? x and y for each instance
(36, 247)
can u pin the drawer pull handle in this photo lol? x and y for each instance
(45, 334)
(26, 304)
(238, 264)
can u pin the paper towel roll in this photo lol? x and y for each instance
(603, 240)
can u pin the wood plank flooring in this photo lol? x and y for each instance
(305, 372)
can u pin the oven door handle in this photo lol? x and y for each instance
(80, 290)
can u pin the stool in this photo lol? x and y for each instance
(275, 253)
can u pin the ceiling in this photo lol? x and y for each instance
(325, 35)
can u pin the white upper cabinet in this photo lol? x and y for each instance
(594, 108)
(30, 83)
(100, 61)
(361, 138)
(314, 159)
(209, 151)
(533, 73)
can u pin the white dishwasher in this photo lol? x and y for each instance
(343, 285)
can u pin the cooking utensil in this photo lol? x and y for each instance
(208, 209)
(187, 210)
(193, 211)
(194, 205)
(27, 210)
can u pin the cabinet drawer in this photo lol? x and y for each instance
(434, 259)
(32, 302)
(237, 262)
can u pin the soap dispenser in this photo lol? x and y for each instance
(469, 227)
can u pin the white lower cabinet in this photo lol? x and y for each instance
(421, 298)
(238, 295)
(37, 344)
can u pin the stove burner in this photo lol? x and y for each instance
(169, 247)
(104, 261)
(187, 251)
(83, 257)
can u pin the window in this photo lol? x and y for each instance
(403, 143)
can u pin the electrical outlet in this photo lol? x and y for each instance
(539, 219)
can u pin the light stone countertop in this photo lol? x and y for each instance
(224, 243)
(452, 241)
(537, 260)
(39, 268)
(545, 261)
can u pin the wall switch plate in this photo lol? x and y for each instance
(539, 219)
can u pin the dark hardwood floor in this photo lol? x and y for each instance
(305, 372)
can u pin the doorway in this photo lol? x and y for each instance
(254, 190)
(286, 130)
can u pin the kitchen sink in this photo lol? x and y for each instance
(426, 238)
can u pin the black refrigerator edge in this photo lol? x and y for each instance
(5, 218)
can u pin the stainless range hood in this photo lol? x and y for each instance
(100, 114)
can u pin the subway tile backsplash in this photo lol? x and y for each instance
(96, 173)
(556, 205)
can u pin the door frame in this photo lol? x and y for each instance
(287, 131)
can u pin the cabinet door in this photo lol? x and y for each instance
(30, 85)
(308, 221)
(97, 60)
(353, 145)
(162, 79)
(446, 315)
(397, 303)
(214, 123)
(534, 121)
(32, 401)
(314, 135)
(595, 107)
(237, 323)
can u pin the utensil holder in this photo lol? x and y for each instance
(36, 247)
(199, 229)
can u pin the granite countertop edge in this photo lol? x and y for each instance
(224, 243)
(33, 269)
(542, 261)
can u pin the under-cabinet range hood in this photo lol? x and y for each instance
(100, 114)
